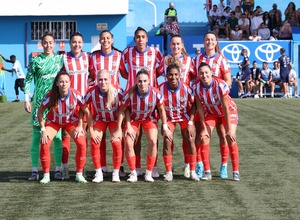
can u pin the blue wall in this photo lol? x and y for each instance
(13, 41)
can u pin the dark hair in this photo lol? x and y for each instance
(54, 91)
(173, 66)
(204, 64)
(140, 29)
(48, 34)
(140, 72)
(12, 57)
(112, 36)
(76, 34)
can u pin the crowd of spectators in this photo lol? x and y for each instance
(229, 21)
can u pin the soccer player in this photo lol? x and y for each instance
(108, 58)
(140, 57)
(62, 103)
(76, 64)
(178, 99)
(221, 69)
(141, 101)
(285, 64)
(213, 93)
(105, 99)
(188, 73)
(42, 69)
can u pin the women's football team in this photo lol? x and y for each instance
(85, 96)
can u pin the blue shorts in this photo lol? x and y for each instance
(284, 78)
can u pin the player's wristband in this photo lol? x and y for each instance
(43, 129)
(190, 123)
(165, 127)
(27, 98)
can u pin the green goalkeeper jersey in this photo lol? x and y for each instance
(42, 69)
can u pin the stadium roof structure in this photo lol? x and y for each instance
(63, 7)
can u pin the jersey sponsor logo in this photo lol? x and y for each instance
(233, 52)
(266, 52)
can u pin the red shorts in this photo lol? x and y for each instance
(146, 125)
(55, 126)
(102, 126)
(213, 120)
(182, 124)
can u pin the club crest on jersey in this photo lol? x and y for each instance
(150, 104)
(114, 63)
(71, 106)
(182, 100)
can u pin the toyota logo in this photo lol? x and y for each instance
(266, 52)
(233, 51)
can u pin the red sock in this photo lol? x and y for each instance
(224, 149)
(123, 150)
(168, 162)
(205, 151)
(185, 151)
(192, 161)
(103, 151)
(150, 162)
(117, 154)
(80, 153)
(138, 161)
(45, 156)
(198, 149)
(131, 162)
(66, 141)
(234, 154)
(95, 154)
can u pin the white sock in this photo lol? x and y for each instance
(58, 168)
(65, 165)
(34, 169)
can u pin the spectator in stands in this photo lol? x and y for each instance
(222, 27)
(275, 78)
(276, 21)
(222, 6)
(294, 22)
(290, 9)
(208, 7)
(264, 78)
(232, 21)
(173, 28)
(254, 82)
(267, 20)
(264, 32)
(248, 5)
(162, 31)
(256, 19)
(244, 25)
(274, 9)
(238, 12)
(293, 82)
(285, 32)
(254, 36)
(235, 3)
(275, 35)
(226, 12)
(171, 13)
(236, 34)
(213, 16)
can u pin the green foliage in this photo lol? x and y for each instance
(268, 138)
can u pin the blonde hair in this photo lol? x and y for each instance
(111, 98)
(170, 60)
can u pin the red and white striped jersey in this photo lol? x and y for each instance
(112, 62)
(98, 101)
(177, 103)
(142, 107)
(218, 64)
(135, 60)
(187, 69)
(66, 109)
(211, 97)
(78, 69)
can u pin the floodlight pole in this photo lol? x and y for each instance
(154, 6)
